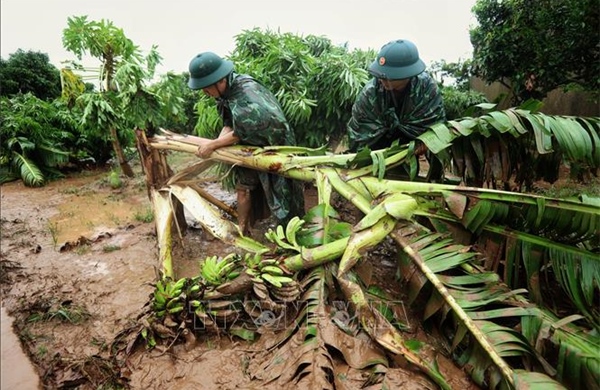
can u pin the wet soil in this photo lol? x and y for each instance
(78, 259)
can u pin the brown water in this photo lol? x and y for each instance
(17, 372)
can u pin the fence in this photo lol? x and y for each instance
(557, 102)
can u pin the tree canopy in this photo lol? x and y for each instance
(123, 103)
(535, 46)
(29, 71)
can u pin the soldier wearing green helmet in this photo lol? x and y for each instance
(399, 103)
(251, 116)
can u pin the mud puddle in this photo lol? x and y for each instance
(17, 370)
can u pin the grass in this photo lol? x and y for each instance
(76, 190)
(571, 188)
(177, 159)
(145, 216)
(83, 249)
(54, 231)
(116, 197)
(110, 248)
(42, 351)
(74, 314)
(70, 191)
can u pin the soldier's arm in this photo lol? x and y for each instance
(226, 138)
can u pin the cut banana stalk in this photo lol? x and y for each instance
(261, 291)
(217, 305)
(226, 315)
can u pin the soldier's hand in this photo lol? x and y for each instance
(204, 149)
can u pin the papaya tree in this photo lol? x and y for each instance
(127, 100)
(111, 47)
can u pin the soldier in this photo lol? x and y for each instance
(399, 103)
(251, 116)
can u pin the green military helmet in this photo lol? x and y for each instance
(397, 60)
(206, 69)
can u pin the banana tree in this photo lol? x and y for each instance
(35, 139)
(502, 337)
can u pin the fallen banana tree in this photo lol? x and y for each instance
(287, 282)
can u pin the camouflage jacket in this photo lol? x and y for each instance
(257, 119)
(378, 118)
(254, 113)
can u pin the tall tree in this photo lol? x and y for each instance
(29, 71)
(108, 43)
(535, 46)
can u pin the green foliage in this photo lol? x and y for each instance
(459, 73)
(145, 216)
(124, 102)
(29, 72)
(99, 112)
(535, 46)
(178, 101)
(35, 133)
(140, 106)
(315, 81)
(209, 123)
(40, 139)
(515, 147)
(100, 39)
(458, 102)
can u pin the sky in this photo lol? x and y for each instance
(183, 28)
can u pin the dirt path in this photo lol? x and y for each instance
(75, 266)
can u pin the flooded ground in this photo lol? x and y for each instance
(17, 370)
(78, 262)
(75, 267)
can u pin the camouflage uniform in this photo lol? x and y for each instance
(256, 118)
(379, 116)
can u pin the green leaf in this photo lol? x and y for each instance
(535, 381)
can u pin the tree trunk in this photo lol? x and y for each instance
(119, 154)
(158, 172)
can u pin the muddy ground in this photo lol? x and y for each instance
(78, 261)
